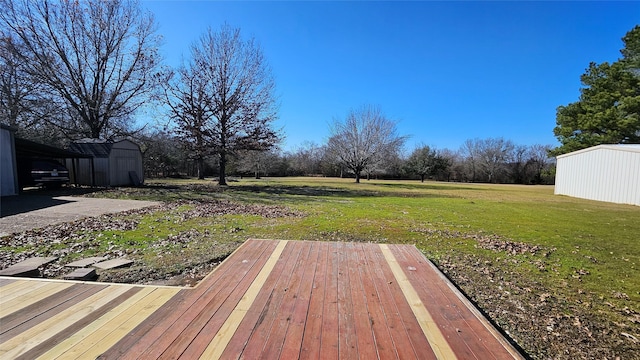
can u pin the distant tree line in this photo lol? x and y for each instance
(491, 160)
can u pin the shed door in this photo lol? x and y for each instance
(123, 166)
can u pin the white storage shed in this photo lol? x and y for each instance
(111, 164)
(608, 173)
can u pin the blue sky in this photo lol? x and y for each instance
(446, 71)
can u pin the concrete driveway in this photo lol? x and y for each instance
(25, 212)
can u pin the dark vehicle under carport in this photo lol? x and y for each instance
(40, 165)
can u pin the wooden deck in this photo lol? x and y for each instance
(269, 299)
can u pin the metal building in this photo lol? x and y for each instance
(8, 169)
(111, 164)
(608, 173)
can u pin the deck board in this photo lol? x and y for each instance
(269, 299)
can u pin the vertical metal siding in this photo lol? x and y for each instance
(600, 173)
(124, 158)
(83, 171)
(8, 172)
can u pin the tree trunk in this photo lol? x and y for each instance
(223, 165)
(200, 166)
(357, 177)
(421, 177)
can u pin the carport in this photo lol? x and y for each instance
(26, 149)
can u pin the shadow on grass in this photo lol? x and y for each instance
(304, 193)
(262, 193)
(428, 186)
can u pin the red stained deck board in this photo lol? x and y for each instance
(365, 341)
(153, 329)
(310, 348)
(204, 337)
(258, 310)
(181, 332)
(377, 305)
(347, 337)
(296, 329)
(280, 325)
(408, 339)
(262, 331)
(329, 342)
(468, 336)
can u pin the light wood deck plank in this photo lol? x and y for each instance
(120, 325)
(4, 282)
(88, 331)
(36, 294)
(18, 289)
(34, 314)
(47, 329)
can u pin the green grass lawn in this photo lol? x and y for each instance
(599, 238)
(559, 274)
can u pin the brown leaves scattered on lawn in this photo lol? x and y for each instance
(222, 207)
(547, 325)
(491, 242)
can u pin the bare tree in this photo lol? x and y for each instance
(97, 57)
(519, 165)
(307, 159)
(24, 103)
(231, 102)
(258, 162)
(470, 151)
(494, 154)
(363, 139)
(539, 160)
(188, 100)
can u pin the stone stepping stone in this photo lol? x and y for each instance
(28, 268)
(82, 274)
(113, 264)
(86, 262)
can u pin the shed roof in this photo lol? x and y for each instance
(617, 147)
(95, 147)
(27, 148)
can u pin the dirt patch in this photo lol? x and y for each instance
(86, 237)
